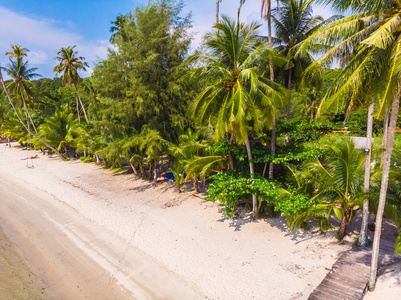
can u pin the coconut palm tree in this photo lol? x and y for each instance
(20, 119)
(21, 86)
(238, 92)
(266, 13)
(69, 65)
(60, 130)
(392, 210)
(17, 51)
(118, 26)
(192, 145)
(369, 42)
(293, 23)
(335, 187)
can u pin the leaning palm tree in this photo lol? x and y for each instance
(21, 86)
(335, 187)
(392, 210)
(69, 65)
(238, 91)
(369, 42)
(20, 119)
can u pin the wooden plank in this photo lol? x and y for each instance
(349, 275)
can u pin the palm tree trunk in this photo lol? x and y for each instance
(348, 111)
(251, 170)
(290, 94)
(22, 122)
(385, 131)
(273, 140)
(155, 171)
(27, 112)
(231, 156)
(368, 149)
(272, 147)
(80, 101)
(343, 226)
(77, 103)
(133, 168)
(196, 185)
(383, 188)
(142, 170)
(217, 11)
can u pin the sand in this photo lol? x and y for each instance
(87, 233)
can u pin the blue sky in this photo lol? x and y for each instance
(44, 26)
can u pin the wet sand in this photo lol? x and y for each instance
(17, 279)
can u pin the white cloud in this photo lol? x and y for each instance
(204, 14)
(44, 38)
(38, 57)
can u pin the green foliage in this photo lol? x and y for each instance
(305, 226)
(324, 224)
(397, 250)
(87, 159)
(60, 130)
(290, 202)
(236, 94)
(179, 175)
(335, 186)
(290, 157)
(231, 190)
(143, 80)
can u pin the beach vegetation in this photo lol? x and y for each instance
(235, 111)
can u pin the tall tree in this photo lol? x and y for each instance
(69, 65)
(372, 39)
(266, 12)
(293, 23)
(362, 241)
(118, 27)
(21, 121)
(156, 91)
(21, 86)
(238, 96)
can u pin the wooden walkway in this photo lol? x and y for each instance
(349, 275)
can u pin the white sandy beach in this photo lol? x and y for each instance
(88, 233)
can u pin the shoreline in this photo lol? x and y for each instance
(17, 279)
(108, 233)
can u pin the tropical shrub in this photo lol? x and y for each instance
(335, 186)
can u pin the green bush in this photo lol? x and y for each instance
(87, 159)
(231, 189)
